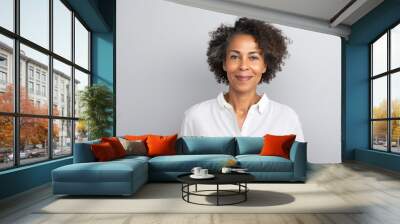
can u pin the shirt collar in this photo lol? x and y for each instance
(261, 104)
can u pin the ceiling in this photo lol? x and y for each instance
(327, 16)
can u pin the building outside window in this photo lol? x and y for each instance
(37, 75)
(3, 61)
(44, 77)
(3, 78)
(30, 72)
(55, 96)
(30, 87)
(3, 72)
(38, 89)
(43, 90)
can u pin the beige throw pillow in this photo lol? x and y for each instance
(137, 147)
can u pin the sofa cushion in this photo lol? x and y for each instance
(257, 163)
(116, 145)
(161, 145)
(132, 158)
(185, 163)
(103, 152)
(195, 145)
(134, 147)
(275, 145)
(136, 137)
(249, 145)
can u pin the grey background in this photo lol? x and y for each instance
(162, 71)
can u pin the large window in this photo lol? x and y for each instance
(44, 64)
(385, 91)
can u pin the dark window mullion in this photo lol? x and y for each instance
(16, 84)
(385, 119)
(386, 73)
(50, 87)
(89, 58)
(389, 114)
(370, 98)
(84, 70)
(73, 82)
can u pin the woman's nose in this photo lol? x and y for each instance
(243, 64)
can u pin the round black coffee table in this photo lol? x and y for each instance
(238, 179)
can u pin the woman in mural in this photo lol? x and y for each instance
(243, 56)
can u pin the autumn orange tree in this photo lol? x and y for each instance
(33, 130)
(6, 122)
(380, 111)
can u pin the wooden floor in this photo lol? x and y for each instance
(377, 188)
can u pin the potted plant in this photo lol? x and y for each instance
(96, 102)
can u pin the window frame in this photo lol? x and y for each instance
(388, 74)
(16, 114)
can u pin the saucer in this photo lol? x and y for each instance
(208, 176)
(240, 171)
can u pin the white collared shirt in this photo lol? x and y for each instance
(217, 118)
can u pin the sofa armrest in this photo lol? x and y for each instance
(298, 155)
(83, 152)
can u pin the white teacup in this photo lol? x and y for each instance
(196, 171)
(203, 172)
(226, 170)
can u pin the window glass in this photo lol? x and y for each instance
(34, 21)
(62, 137)
(6, 74)
(395, 95)
(7, 14)
(81, 81)
(62, 29)
(62, 91)
(39, 62)
(395, 47)
(81, 131)
(34, 81)
(379, 97)
(6, 142)
(379, 135)
(379, 55)
(81, 45)
(395, 136)
(33, 140)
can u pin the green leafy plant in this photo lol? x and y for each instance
(96, 102)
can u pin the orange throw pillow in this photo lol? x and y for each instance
(277, 145)
(103, 152)
(116, 145)
(161, 145)
(136, 137)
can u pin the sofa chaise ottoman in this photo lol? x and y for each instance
(88, 177)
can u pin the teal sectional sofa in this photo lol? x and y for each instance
(125, 176)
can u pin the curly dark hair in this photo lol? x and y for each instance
(268, 38)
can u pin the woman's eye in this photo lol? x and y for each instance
(253, 58)
(233, 57)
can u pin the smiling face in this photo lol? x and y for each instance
(244, 63)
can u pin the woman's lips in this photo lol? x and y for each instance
(243, 78)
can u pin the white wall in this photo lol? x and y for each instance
(162, 71)
(310, 83)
